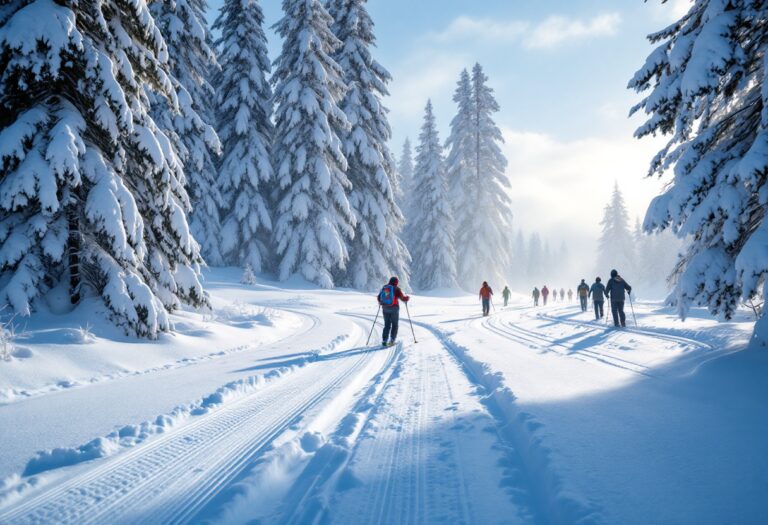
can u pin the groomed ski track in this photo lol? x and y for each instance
(346, 433)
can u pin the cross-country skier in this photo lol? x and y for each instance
(545, 294)
(505, 293)
(614, 290)
(570, 295)
(535, 295)
(562, 294)
(583, 291)
(485, 296)
(597, 291)
(389, 298)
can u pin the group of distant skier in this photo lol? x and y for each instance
(615, 290)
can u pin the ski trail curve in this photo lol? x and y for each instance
(172, 477)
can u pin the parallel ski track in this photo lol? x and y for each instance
(174, 476)
(528, 337)
(403, 495)
(630, 330)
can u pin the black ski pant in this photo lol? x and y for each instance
(599, 310)
(391, 322)
(583, 303)
(506, 301)
(617, 309)
(535, 301)
(486, 306)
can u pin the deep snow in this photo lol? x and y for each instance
(273, 410)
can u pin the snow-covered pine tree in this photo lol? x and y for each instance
(243, 114)
(376, 252)
(478, 184)
(616, 249)
(405, 177)
(248, 276)
(535, 259)
(433, 248)
(314, 220)
(408, 199)
(182, 24)
(90, 190)
(706, 90)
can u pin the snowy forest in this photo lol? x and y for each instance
(383, 262)
(137, 148)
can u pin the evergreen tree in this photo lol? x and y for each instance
(90, 190)
(376, 251)
(708, 94)
(314, 220)
(405, 181)
(244, 109)
(616, 245)
(191, 59)
(536, 258)
(478, 183)
(433, 247)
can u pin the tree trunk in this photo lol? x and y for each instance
(73, 254)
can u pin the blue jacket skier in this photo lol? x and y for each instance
(597, 292)
(389, 298)
(614, 290)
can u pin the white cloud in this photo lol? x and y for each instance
(672, 10)
(559, 188)
(549, 33)
(466, 28)
(557, 29)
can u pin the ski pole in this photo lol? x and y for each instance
(411, 322)
(632, 307)
(373, 326)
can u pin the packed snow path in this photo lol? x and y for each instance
(529, 416)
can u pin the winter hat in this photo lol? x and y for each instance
(582, 280)
(394, 281)
(614, 273)
(598, 279)
(485, 283)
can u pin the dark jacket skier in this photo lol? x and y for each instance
(535, 295)
(389, 299)
(614, 290)
(597, 292)
(570, 295)
(562, 294)
(486, 292)
(506, 293)
(583, 291)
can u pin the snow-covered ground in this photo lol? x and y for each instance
(274, 410)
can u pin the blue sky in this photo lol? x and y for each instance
(559, 69)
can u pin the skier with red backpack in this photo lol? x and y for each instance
(389, 298)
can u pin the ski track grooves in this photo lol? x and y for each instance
(527, 337)
(549, 502)
(172, 477)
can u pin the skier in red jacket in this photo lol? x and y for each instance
(485, 296)
(389, 298)
(545, 294)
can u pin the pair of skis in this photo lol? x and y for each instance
(368, 341)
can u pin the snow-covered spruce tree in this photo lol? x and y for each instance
(376, 252)
(616, 247)
(706, 89)
(314, 220)
(478, 184)
(434, 255)
(408, 198)
(243, 113)
(405, 177)
(182, 25)
(90, 190)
